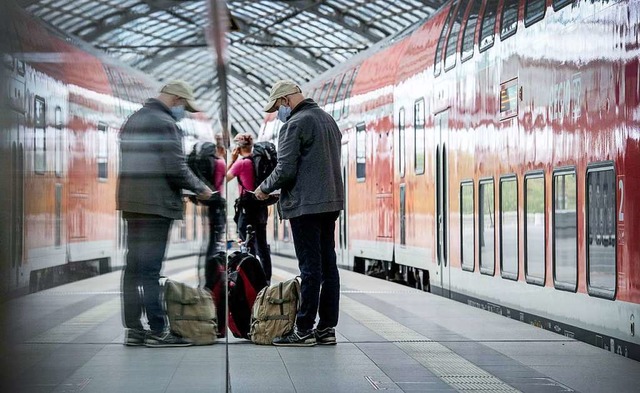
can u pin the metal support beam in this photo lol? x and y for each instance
(125, 16)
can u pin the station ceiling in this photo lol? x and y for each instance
(267, 40)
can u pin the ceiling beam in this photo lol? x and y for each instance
(266, 37)
(125, 16)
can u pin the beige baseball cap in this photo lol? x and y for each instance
(182, 89)
(280, 89)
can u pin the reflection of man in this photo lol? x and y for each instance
(216, 208)
(309, 175)
(153, 172)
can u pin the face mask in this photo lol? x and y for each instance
(283, 113)
(178, 112)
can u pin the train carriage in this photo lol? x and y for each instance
(63, 106)
(491, 155)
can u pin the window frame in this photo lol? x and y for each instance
(416, 170)
(468, 182)
(531, 21)
(509, 275)
(347, 96)
(481, 182)
(459, 13)
(560, 4)
(361, 127)
(340, 96)
(591, 290)
(464, 58)
(100, 158)
(39, 125)
(481, 47)
(438, 61)
(59, 151)
(512, 32)
(537, 174)
(562, 171)
(402, 143)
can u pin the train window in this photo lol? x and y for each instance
(467, 233)
(402, 148)
(40, 142)
(59, 148)
(322, 95)
(534, 11)
(565, 230)
(345, 104)
(361, 152)
(331, 97)
(601, 230)
(488, 25)
(102, 158)
(558, 4)
(452, 39)
(419, 143)
(534, 228)
(469, 32)
(486, 226)
(509, 227)
(445, 28)
(337, 109)
(509, 20)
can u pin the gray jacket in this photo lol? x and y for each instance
(153, 170)
(308, 171)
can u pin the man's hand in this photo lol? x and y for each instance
(206, 194)
(261, 196)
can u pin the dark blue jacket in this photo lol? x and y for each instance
(308, 171)
(153, 170)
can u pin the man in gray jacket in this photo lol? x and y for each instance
(309, 177)
(153, 173)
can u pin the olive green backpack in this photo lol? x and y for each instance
(274, 311)
(191, 313)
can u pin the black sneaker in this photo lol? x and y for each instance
(296, 339)
(165, 339)
(325, 336)
(135, 337)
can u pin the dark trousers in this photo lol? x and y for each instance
(258, 245)
(217, 221)
(313, 239)
(146, 245)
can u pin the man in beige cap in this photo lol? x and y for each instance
(153, 172)
(309, 177)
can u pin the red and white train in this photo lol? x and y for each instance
(62, 107)
(491, 154)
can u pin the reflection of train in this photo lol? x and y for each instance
(62, 107)
(492, 155)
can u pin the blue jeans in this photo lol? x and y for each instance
(313, 239)
(146, 245)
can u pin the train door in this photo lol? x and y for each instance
(343, 244)
(441, 122)
(17, 200)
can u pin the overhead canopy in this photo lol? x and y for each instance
(268, 40)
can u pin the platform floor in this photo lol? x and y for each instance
(390, 337)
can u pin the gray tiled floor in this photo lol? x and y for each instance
(507, 352)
